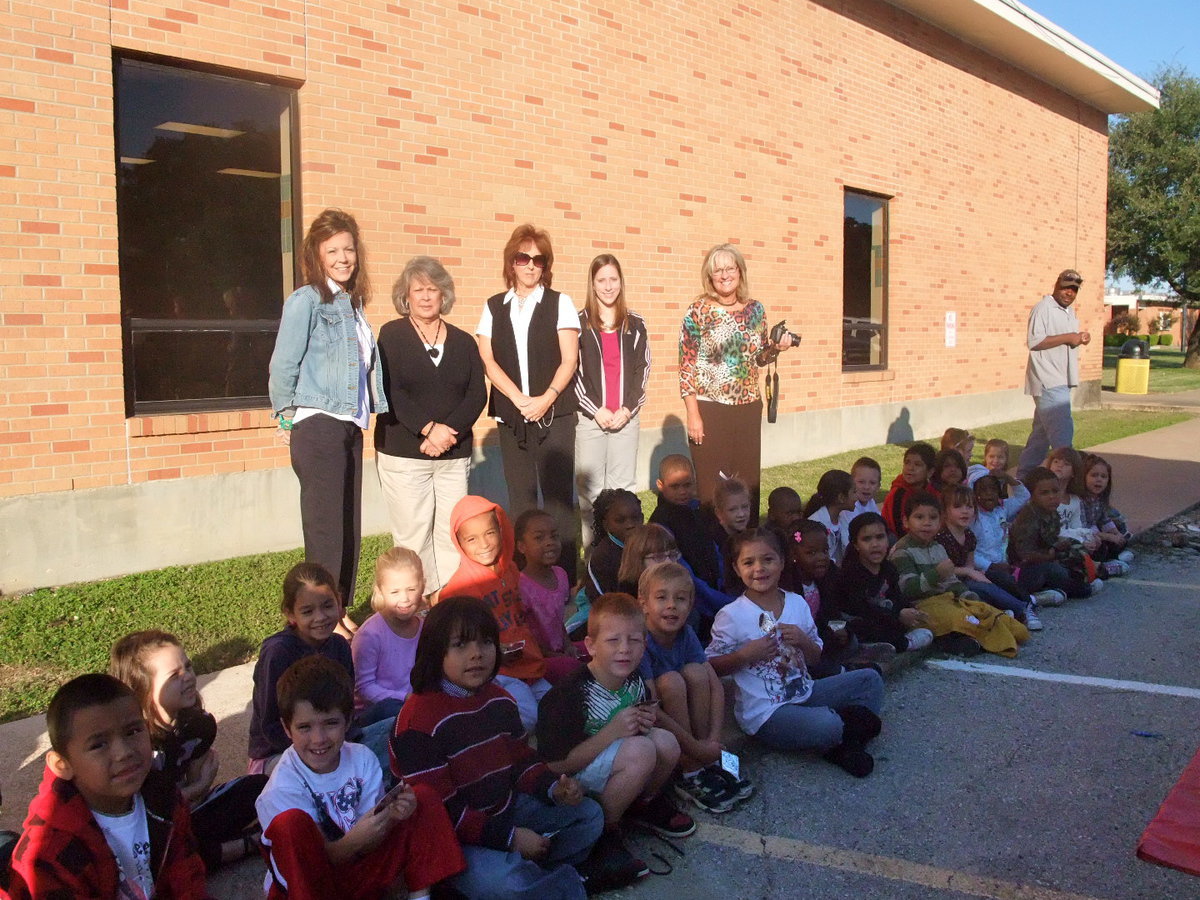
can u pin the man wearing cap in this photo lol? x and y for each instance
(1053, 369)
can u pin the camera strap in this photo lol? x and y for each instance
(772, 391)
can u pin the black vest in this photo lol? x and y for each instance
(543, 356)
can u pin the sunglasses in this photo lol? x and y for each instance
(524, 259)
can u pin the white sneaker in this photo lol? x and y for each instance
(1125, 556)
(1050, 597)
(919, 638)
(1010, 613)
(1032, 622)
(1097, 587)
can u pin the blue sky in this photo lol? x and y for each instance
(1137, 35)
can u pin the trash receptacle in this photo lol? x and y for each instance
(1133, 368)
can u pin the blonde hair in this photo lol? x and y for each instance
(664, 573)
(390, 560)
(710, 262)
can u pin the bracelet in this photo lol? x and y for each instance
(557, 392)
(285, 424)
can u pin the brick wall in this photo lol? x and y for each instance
(652, 130)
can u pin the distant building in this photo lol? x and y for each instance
(905, 178)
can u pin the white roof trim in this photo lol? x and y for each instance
(1011, 31)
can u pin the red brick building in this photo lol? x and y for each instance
(882, 165)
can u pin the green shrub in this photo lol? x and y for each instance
(1166, 339)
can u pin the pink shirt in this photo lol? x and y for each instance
(610, 353)
(546, 606)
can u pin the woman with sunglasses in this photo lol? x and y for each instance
(722, 344)
(529, 342)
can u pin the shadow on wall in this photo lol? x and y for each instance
(900, 431)
(487, 474)
(673, 440)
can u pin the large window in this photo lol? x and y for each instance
(864, 282)
(206, 235)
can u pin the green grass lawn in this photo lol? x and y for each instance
(1167, 373)
(222, 610)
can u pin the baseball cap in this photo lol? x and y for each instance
(1069, 277)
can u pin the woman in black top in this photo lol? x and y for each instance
(433, 379)
(529, 341)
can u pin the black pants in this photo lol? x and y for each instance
(550, 466)
(225, 815)
(327, 457)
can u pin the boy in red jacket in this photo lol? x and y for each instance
(104, 824)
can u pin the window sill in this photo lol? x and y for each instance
(200, 423)
(869, 377)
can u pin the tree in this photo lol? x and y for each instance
(1154, 195)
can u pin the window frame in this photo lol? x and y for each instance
(290, 240)
(882, 327)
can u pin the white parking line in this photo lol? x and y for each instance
(1115, 684)
(869, 864)
(1175, 586)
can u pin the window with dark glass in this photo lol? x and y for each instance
(864, 281)
(205, 231)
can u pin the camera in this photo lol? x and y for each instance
(780, 330)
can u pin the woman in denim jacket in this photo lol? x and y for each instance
(325, 383)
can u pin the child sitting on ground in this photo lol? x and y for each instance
(693, 700)
(914, 476)
(544, 589)
(731, 514)
(784, 509)
(328, 826)
(616, 513)
(992, 518)
(866, 475)
(1099, 514)
(601, 726)
(313, 609)
(485, 540)
(1047, 561)
(156, 667)
(949, 469)
(385, 645)
(832, 498)
(867, 587)
(995, 463)
(1067, 464)
(959, 439)
(651, 544)
(678, 511)
(999, 588)
(766, 639)
(522, 829)
(104, 823)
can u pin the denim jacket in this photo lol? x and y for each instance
(316, 360)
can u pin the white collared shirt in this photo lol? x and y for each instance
(520, 314)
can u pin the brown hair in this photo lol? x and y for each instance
(520, 235)
(648, 538)
(614, 603)
(127, 662)
(591, 306)
(328, 224)
(957, 495)
(306, 573)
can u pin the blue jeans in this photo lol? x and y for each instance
(1052, 428)
(505, 875)
(813, 724)
(1040, 576)
(994, 595)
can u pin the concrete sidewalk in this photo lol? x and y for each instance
(1156, 476)
(1188, 401)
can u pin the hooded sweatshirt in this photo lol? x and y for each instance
(893, 504)
(63, 855)
(496, 585)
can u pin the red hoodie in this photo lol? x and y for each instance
(496, 585)
(62, 854)
(893, 504)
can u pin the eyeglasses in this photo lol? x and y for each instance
(524, 259)
(665, 556)
(725, 271)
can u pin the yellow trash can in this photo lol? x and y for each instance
(1133, 376)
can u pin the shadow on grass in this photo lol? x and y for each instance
(232, 652)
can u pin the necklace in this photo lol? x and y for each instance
(432, 350)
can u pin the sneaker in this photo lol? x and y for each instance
(919, 638)
(661, 816)
(881, 653)
(739, 788)
(1115, 568)
(1032, 622)
(1050, 597)
(706, 789)
(610, 865)
(957, 644)
(1097, 587)
(1125, 556)
(1010, 613)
